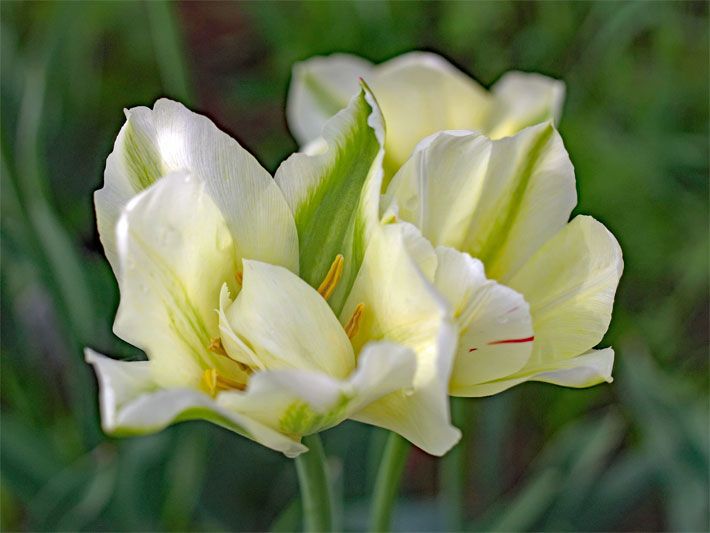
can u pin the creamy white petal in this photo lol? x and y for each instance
(300, 402)
(497, 200)
(175, 252)
(421, 414)
(570, 284)
(524, 99)
(582, 371)
(171, 138)
(421, 93)
(133, 404)
(287, 323)
(420, 249)
(320, 87)
(334, 195)
(401, 305)
(495, 329)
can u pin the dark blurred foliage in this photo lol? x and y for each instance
(628, 456)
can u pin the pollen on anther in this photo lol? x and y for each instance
(216, 346)
(239, 277)
(209, 380)
(332, 277)
(353, 325)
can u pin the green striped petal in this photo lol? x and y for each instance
(132, 403)
(334, 195)
(169, 138)
(498, 200)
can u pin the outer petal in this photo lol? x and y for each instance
(175, 253)
(320, 87)
(288, 324)
(132, 404)
(421, 93)
(585, 370)
(300, 402)
(334, 195)
(497, 200)
(495, 329)
(401, 305)
(570, 284)
(524, 99)
(171, 138)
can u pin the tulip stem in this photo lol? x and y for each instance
(387, 482)
(315, 489)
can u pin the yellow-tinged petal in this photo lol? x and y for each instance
(175, 252)
(168, 138)
(334, 195)
(495, 329)
(582, 371)
(401, 305)
(300, 402)
(420, 93)
(287, 323)
(497, 200)
(524, 99)
(320, 87)
(570, 284)
(132, 403)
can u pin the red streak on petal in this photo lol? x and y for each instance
(473, 349)
(513, 309)
(512, 341)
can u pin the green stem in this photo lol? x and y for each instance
(387, 482)
(315, 489)
(454, 469)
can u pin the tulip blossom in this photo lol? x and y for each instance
(419, 93)
(275, 307)
(503, 206)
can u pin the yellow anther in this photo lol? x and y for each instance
(332, 277)
(209, 380)
(214, 383)
(227, 384)
(216, 347)
(353, 325)
(239, 277)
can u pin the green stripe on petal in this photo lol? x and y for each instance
(334, 195)
(300, 402)
(171, 138)
(497, 200)
(133, 404)
(175, 254)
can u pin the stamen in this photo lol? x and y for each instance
(239, 277)
(227, 384)
(353, 325)
(209, 379)
(217, 347)
(332, 277)
(214, 382)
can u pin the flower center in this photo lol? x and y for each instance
(215, 382)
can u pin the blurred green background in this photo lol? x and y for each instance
(628, 456)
